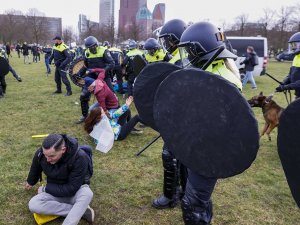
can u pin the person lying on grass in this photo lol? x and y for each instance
(120, 130)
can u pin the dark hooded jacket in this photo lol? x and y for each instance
(65, 177)
(249, 61)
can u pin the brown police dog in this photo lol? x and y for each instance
(271, 111)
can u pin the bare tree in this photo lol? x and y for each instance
(241, 21)
(9, 25)
(267, 20)
(68, 35)
(108, 31)
(296, 17)
(284, 19)
(37, 24)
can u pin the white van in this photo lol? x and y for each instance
(260, 45)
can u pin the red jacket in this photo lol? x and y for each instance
(106, 98)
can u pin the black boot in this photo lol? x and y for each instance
(57, 92)
(170, 197)
(192, 216)
(69, 93)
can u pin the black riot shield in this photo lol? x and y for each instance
(288, 143)
(4, 67)
(145, 88)
(138, 64)
(206, 122)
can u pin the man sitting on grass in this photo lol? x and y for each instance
(67, 167)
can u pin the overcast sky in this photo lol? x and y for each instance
(187, 10)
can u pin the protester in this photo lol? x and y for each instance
(25, 50)
(120, 131)
(250, 62)
(67, 192)
(3, 84)
(48, 51)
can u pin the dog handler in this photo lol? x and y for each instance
(292, 81)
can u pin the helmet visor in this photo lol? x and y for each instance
(293, 46)
(191, 53)
(168, 42)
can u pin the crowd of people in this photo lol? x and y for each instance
(67, 192)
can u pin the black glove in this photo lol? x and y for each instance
(281, 88)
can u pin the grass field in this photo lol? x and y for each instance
(124, 185)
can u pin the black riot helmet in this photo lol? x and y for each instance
(200, 41)
(294, 42)
(106, 44)
(90, 41)
(132, 44)
(170, 34)
(151, 45)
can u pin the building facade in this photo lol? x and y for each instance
(136, 21)
(106, 12)
(32, 29)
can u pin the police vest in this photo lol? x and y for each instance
(218, 67)
(176, 57)
(61, 47)
(158, 56)
(296, 61)
(58, 51)
(95, 60)
(134, 52)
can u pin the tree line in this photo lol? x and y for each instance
(276, 26)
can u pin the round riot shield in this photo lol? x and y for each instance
(206, 122)
(138, 64)
(145, 88)
(288, 142)
(4, 67)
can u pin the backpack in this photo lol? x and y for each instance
(88, 151)
(254, 60)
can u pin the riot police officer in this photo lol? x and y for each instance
(292, 81)
(128, 63)
(95, 56)
(174, 171)
(197, 45)
(62, 57)
(154, 51)
(169, 37)
(118, 57)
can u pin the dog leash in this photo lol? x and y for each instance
(284, 92)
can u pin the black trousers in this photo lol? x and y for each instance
(2, 85)
(61, 76)
(127, 127)
(196, 203)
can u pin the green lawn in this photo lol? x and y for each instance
(124, 185)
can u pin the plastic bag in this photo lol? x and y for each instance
(104, 134)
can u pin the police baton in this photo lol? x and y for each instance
(148, 145)
(273, 78)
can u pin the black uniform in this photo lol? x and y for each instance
(61, 56)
